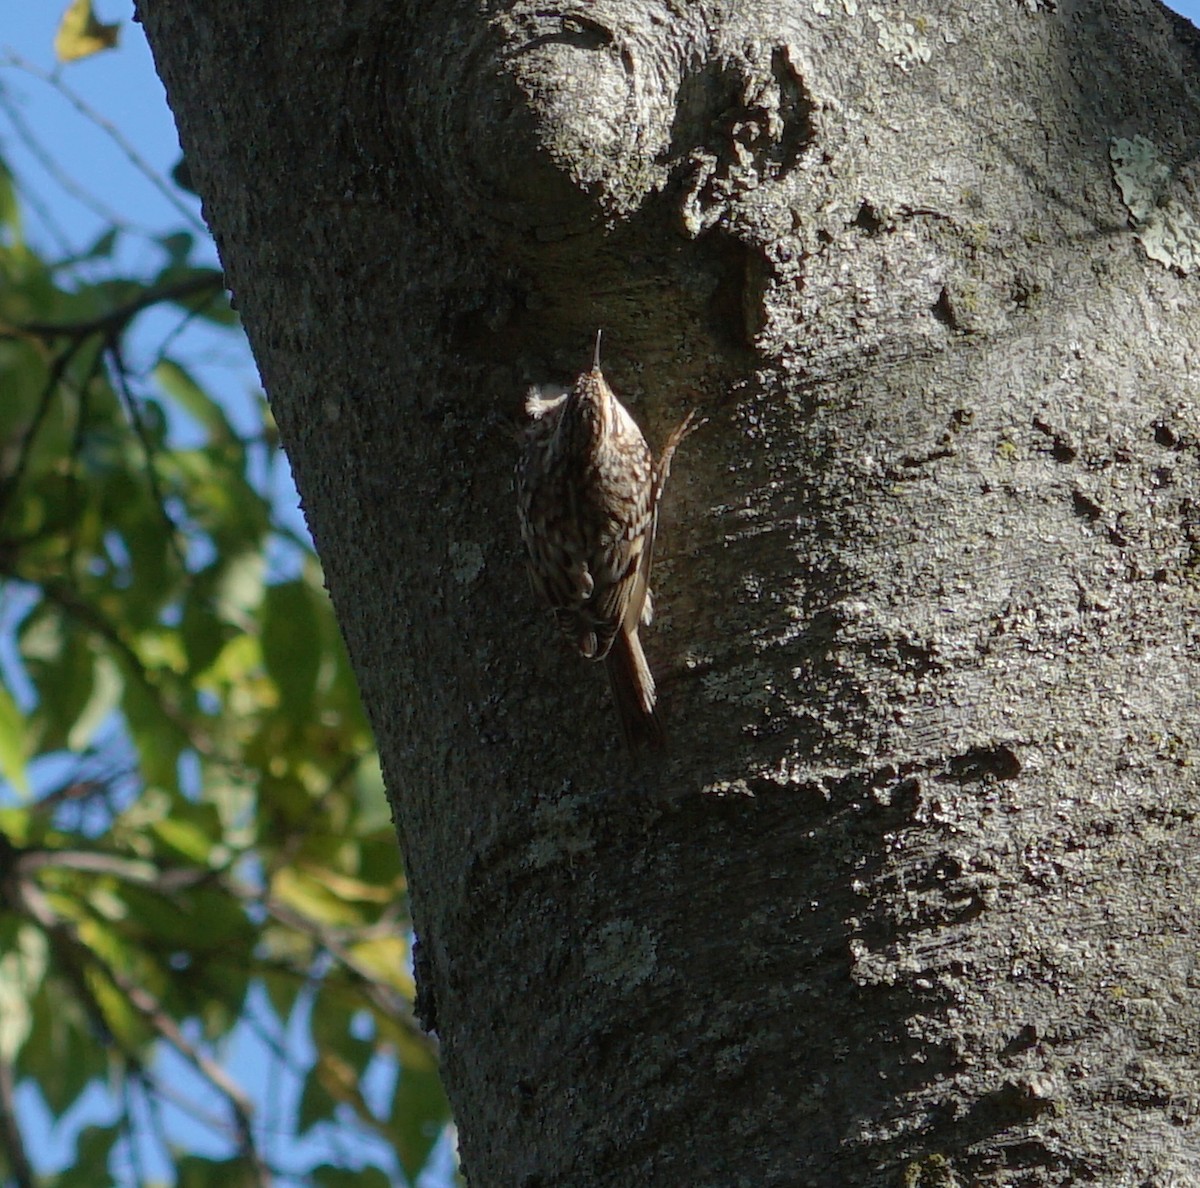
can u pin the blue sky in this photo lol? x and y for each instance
(94, 180)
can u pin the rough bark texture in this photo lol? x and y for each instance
(910, 901)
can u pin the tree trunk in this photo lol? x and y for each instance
(909, 899)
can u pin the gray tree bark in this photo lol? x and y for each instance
(910, 899)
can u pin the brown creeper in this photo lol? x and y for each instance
(588, 491)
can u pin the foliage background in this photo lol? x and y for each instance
(204, 945)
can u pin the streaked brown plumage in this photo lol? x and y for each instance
(588, 492)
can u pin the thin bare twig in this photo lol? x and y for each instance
(79, 958)
(110, 130)
(129, 1128)
(121, 380)
(32, 199)
(73, 476)
(9, 483)
(140, 871)
(54, 170)
(388, 1003)
(207, 281)
(161, 1021)
(110, 325)
(154, 1095)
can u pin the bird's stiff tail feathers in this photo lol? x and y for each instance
(633, 693)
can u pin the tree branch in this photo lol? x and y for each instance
(140, 871)
(210, 281)
(121, 380)
(110, 129)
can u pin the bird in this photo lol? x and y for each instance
(588, 497)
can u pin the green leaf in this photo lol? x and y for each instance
(204, 632)
(345, 1056)
(13, 734)
(102, 248)
(185, 838)
(10, 211)
(60, 660)
(212, 306)
(107, 686)
(386, 960)
(179, 384)
(117, 1013)
(218, 1000)
(198, 289)
(316, 1104)
(21, 827)
(240, 587)
(23, 374)
(282, 991)
(221, 501)
(201, 919)
(154, 571)
(178, 246)
(157, 738)
(193, 1171)
(23, 959)
(92, 1150)
(374, 813)
(181, 175)
(312, 898)
(62, 1055)
(419, 1115)
(326, 1176)
(291, 646)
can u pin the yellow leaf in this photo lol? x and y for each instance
(311, 898)
(385, 959)
(21, 970)
(14, 734)
(80, 34)
(346, 887)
